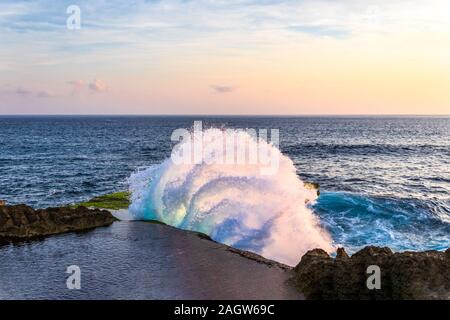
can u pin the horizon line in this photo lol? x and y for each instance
(226, 115)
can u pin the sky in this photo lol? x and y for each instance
(260, 57)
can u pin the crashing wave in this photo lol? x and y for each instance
(233, 203)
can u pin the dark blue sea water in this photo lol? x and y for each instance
(384, 180)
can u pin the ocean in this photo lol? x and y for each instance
(384, 180)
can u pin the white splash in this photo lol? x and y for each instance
(233, 204)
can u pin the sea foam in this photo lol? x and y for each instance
(233, 203)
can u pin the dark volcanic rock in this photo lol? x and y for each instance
(23, 222)
(407, 275)
(315, 274)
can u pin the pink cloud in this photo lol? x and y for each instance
(98, 86)
(23, 92)
(77, 85)
(222, 89)
(44, 94)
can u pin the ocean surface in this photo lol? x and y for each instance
(384, 180)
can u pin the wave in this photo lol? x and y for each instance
(233, 203)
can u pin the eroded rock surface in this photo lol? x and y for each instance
(406, 275)
(23, 222)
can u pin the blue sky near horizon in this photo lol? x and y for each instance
(225, 57)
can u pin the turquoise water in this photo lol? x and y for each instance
(355, 221)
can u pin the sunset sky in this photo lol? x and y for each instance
(226, 57)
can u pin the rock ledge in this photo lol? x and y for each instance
(406, 275)
(22, 222)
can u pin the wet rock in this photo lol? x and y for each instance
(341, 254)
(313, 186)
(314, 275)
(23, 222)
(407, 275)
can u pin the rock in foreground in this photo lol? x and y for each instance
(407, 275)
(23, 222)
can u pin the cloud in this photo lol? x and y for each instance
(76, 83)
(222, 88)
(322, 31)
(98, 86)
(25, 92)
(77, 87)
(95, 86)
(44, 94)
